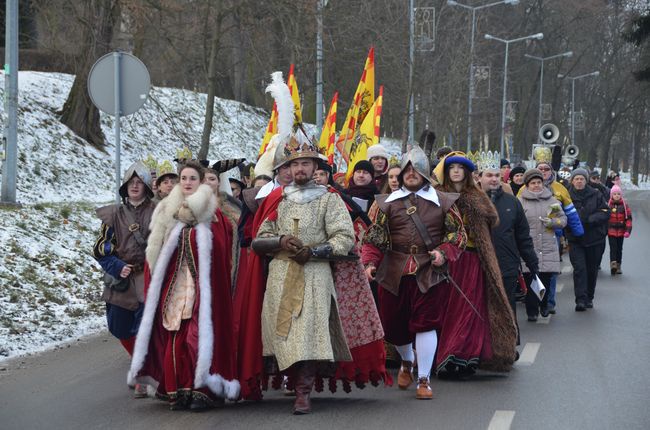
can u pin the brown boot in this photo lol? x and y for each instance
(424, 390)
(304, 383)
(405, 375)
(613, 267)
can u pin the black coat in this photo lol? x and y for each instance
(511, 237)
(593, 211)
(600, 187)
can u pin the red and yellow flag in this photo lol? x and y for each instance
(364, 97)
(328, 135)
(368, 134)
(272, 127)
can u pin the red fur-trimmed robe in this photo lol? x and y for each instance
(200, 356)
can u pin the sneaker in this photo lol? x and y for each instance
(544, 312)
(580, 307)
(613, 266)
(424, 389)
(532, 318)
(551, 309)
(405, 375)
(589, 304)
(140, 391)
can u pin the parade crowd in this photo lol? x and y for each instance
(294, 275)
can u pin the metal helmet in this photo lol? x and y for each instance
(419, 160)
(140, 170)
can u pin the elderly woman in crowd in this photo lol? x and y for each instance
(544, 214)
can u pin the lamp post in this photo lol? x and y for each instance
(541, 79)
(573, 99)
(471, 58)
(537, 36)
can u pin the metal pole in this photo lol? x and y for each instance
(471, 84)
(118, 107)
(319, 65)
(11, 103)
(541, 90)
(411, 66)
(573, 111)
(503, 102)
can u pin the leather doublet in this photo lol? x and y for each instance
(407, 243)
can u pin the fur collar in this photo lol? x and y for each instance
(203, 204)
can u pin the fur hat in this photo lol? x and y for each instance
(580, 172)
(377, 151)
(531, 174)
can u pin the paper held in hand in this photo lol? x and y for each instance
(538, 288)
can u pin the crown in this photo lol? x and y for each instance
(164, 168)
(473, 156)
(488, 160)
(184, 154)
(542, 153)
(394, 161)
(150, 163)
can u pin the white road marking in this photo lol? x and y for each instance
(501, 420)
(542, 320)
(567, 269)
(528, 354)
(559, 287)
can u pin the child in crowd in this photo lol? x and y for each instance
(619, 228)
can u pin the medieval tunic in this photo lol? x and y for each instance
(184, 346)
(316, 332)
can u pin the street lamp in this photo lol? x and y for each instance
(537, 36)
(541, 79)
(471, 58)
(573, 99)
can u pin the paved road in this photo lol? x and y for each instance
(578, 371)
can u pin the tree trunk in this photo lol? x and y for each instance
(78, 112)
(212, 87)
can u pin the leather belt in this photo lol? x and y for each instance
(410, 249)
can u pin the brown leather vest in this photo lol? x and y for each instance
(248, 196)
(128, 250)
(406, 240)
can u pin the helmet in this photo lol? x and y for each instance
(419, 160)
(137, 169)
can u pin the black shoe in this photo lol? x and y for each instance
(200, 405)
(544, 313)
(551, 310)
(589, 304)
(581, 307)
(532, 318)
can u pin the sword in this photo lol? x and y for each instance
(451, 280)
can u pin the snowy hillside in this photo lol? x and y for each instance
(49, 284)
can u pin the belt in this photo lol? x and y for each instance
(411, 249)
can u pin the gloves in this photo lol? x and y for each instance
(290, 243)
(627, 234)
(185, 215)
(302, 256)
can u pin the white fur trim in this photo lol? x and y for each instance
(215, 382)
(151, 304)
(203, 203)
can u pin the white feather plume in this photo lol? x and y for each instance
(284, 103)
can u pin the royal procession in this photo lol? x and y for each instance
(190, 238)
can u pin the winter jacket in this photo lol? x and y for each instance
(620, 219)
(537, 207)
(562, 195)
(511, 237)
(594, 215)
(600, 187)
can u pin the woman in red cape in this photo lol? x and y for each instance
(364, 334)
(185, 346)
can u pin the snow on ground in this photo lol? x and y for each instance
(50, 286)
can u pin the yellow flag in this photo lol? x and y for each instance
(364, 97)
(328, 135)
(368, 134)
(295, 95)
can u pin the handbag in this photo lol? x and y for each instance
(117, 284)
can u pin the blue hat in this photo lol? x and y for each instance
(460, 160)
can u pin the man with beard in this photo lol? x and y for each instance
(416, 232)
(301, 330)
(511, 237)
